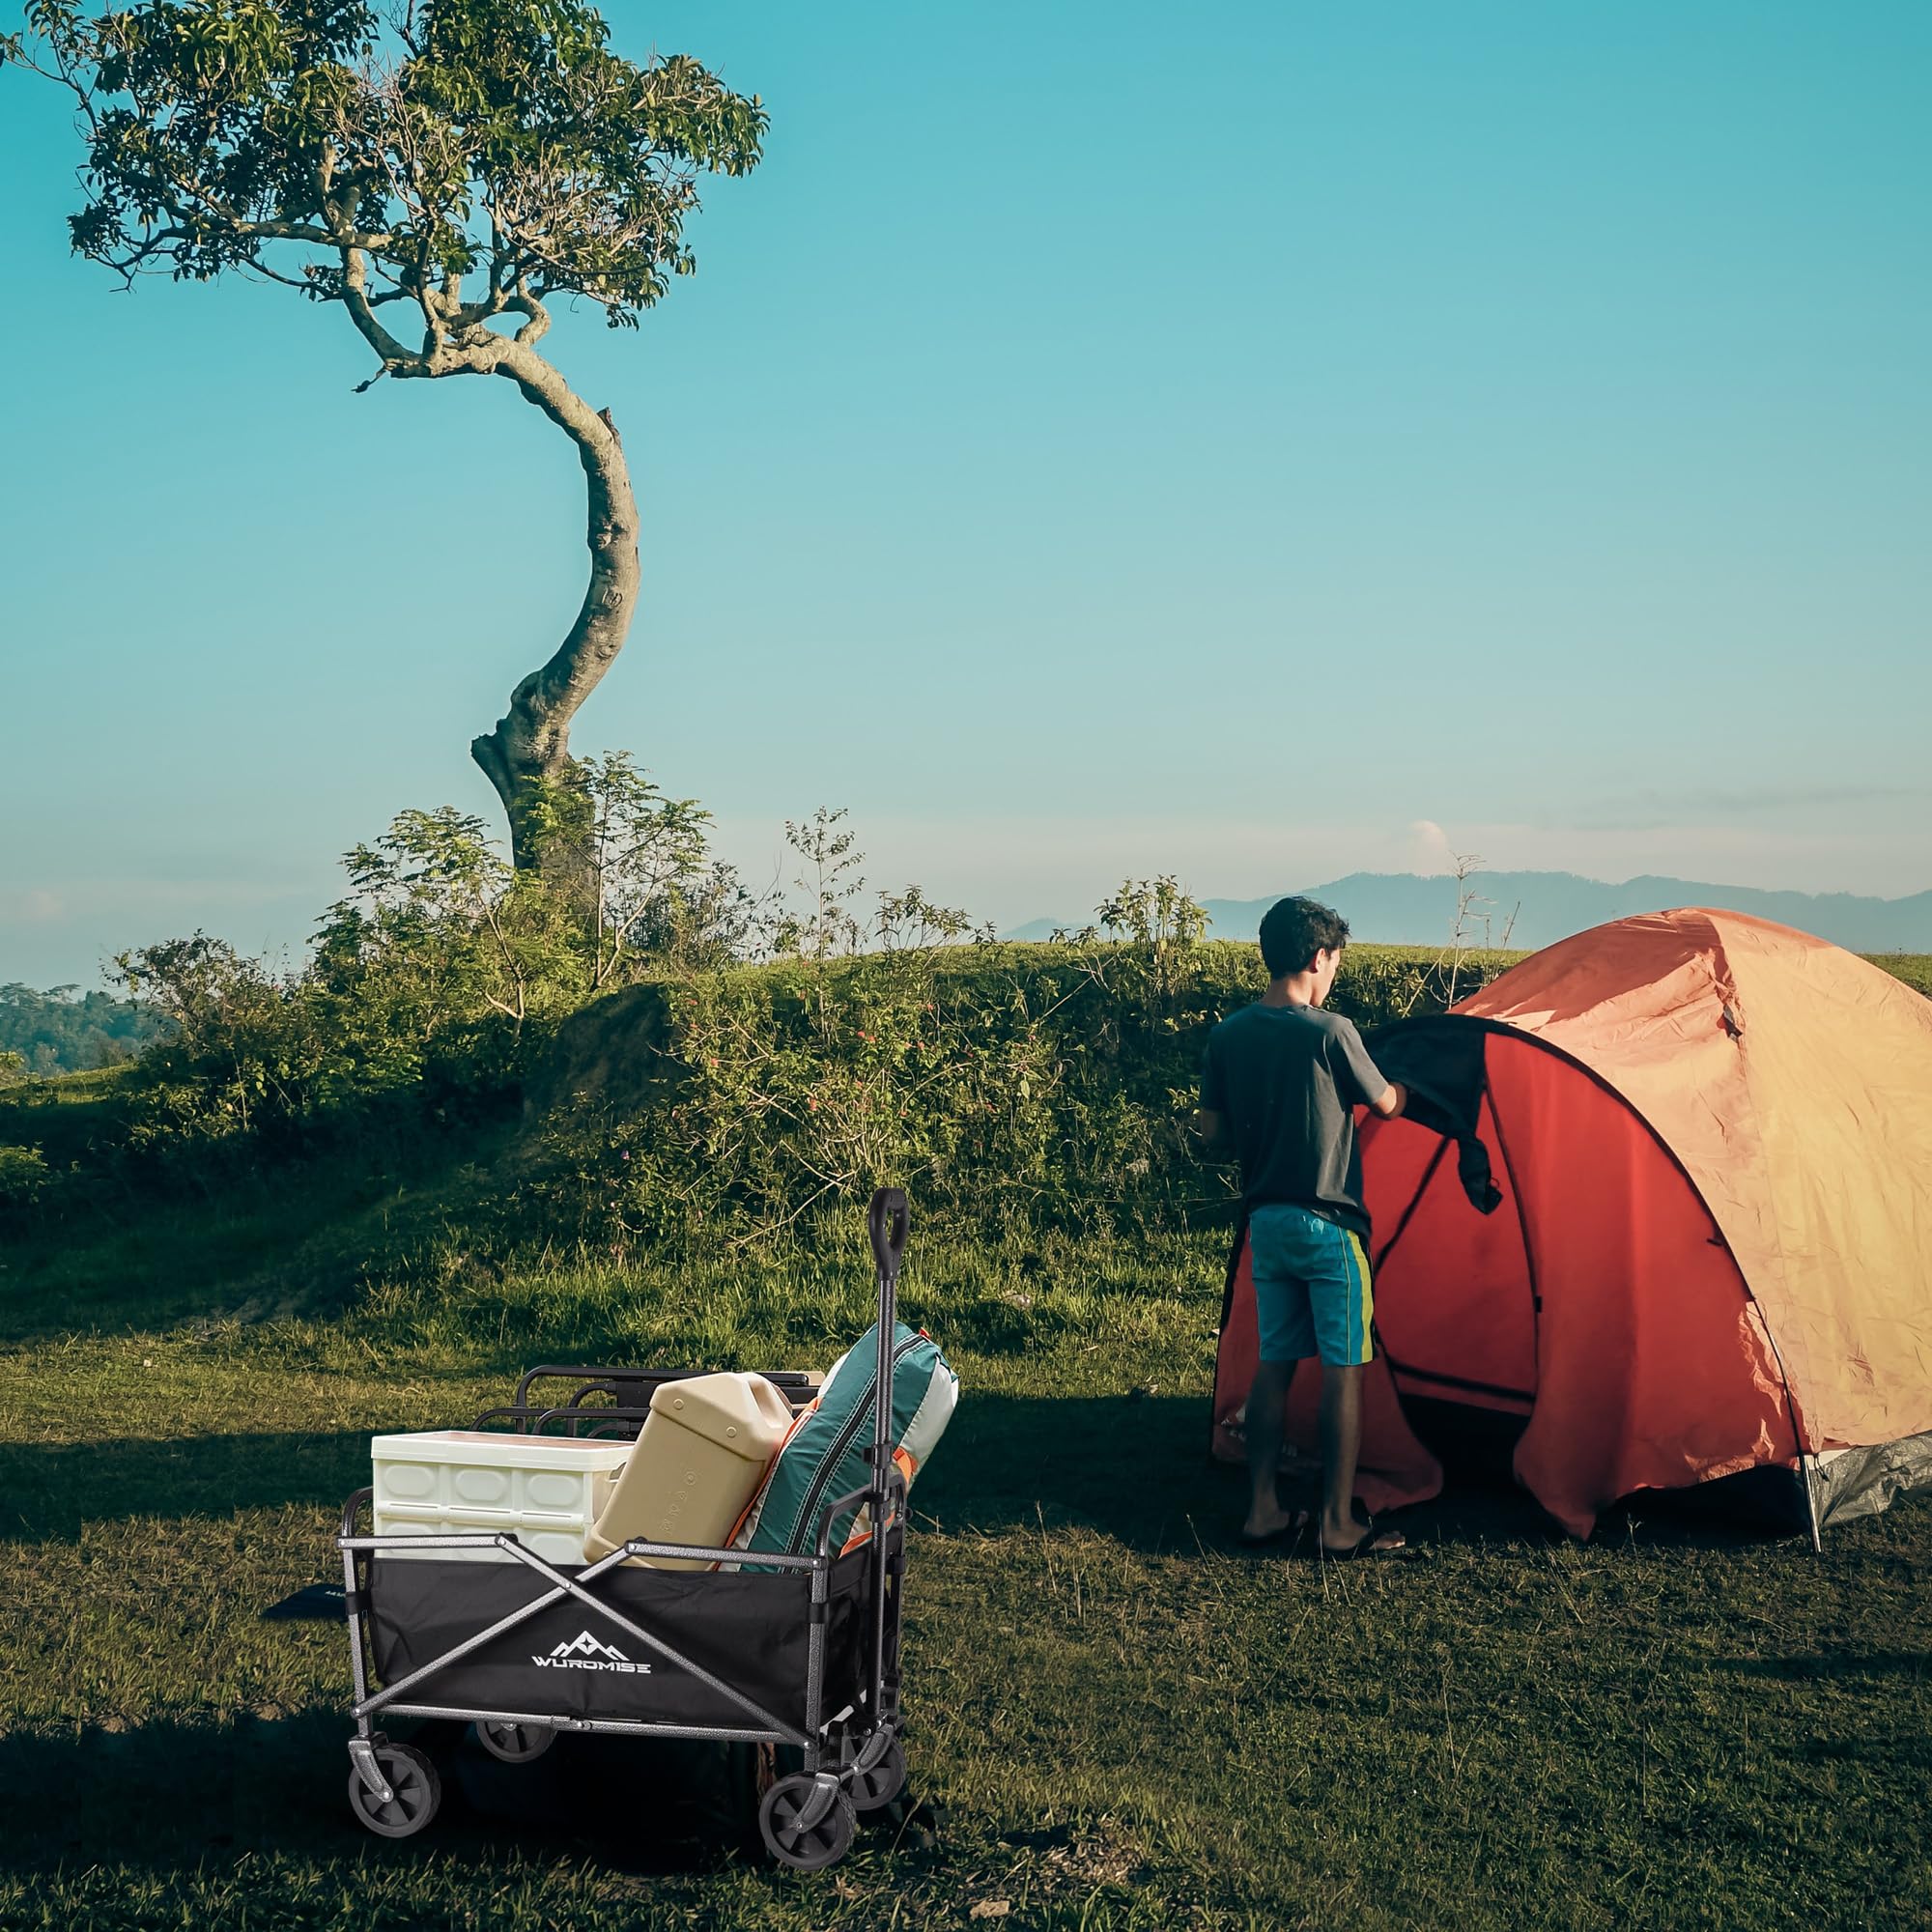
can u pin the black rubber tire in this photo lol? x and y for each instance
(417, 1788)
(514, 1744)
(825, 1844)
(873, 1790)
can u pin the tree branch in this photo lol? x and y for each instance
(355, 299)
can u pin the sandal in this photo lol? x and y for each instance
(1365, 1545)
(1287, 1532)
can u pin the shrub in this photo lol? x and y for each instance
(1037, 1084)
(1009, 1084)
(23, 1176)
(438, 978)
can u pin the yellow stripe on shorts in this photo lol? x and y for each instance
(1361, 1303)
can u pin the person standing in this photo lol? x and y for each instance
(1280, 1083)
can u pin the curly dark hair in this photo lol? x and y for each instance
(1295, 931)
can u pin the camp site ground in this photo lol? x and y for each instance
(1117, 1718)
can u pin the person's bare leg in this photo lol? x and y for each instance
(1340, 1447)
(1268, 1409)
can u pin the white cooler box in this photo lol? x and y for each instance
(459, 1482)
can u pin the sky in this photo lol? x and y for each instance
(1252, 441)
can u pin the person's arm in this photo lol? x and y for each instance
(1381, 1096)
(1394, 1100)
(1210, 1124)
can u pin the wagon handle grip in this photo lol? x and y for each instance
(888, 1220)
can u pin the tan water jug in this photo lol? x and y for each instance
(698, 1460)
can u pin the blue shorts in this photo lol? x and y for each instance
(1312, 1292)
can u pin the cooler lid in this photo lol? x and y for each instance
(500, 1450)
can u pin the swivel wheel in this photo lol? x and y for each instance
(806, 1824)
(514, 1743)
(875, 1786)
(416, 1791)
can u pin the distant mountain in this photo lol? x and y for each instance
(1405, 909)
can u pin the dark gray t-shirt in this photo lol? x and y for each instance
(1286, 1081)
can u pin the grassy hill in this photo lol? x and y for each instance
(1119, 1719)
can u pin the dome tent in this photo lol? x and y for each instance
(1687, 1230)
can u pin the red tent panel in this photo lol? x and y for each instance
(1652, 1367)
(1454, 1308)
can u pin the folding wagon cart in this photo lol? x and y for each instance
(799, 1652)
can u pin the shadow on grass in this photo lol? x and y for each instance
(1134, 1469)
(52, 1490)
(1905, 1752)
(172, 1793)
(1866, 1665)
(249, 1239)
(168, 1796)
(1137, 1470)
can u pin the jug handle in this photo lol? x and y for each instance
(888, 1220)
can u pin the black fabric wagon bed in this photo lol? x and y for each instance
(568, 1662)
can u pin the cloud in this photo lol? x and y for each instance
(1428, 849)
(39, 907)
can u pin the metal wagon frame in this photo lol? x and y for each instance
(852, 1758)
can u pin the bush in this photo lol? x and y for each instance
(24, 1175)
(1009, 1084)
(1013, 1084)
(1035, 1085)
(689, 1058)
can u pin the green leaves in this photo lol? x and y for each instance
(24, 1176)
(463, 134)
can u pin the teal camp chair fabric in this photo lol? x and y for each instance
(824, 1457)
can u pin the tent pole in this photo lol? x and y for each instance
(1810, 1501)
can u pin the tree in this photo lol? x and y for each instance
(64, 1030)
(457, 163)
(653, 885)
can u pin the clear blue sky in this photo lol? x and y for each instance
(1260, 441)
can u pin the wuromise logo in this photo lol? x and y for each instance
(584, 1652)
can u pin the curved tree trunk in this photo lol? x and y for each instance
(529, 747)
(528, 754)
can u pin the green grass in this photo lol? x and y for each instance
(1120, 1718)
(1124, 1721)
(1914, 968)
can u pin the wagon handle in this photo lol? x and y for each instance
(888, 1220)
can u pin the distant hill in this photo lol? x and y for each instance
(1406, 909)
(64, 1031)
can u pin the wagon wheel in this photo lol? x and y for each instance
(806, 1847)
(417, 1791)
(877, 1786)
(514, 1743)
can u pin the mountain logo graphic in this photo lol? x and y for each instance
(588, 1646)
(584, 1652)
